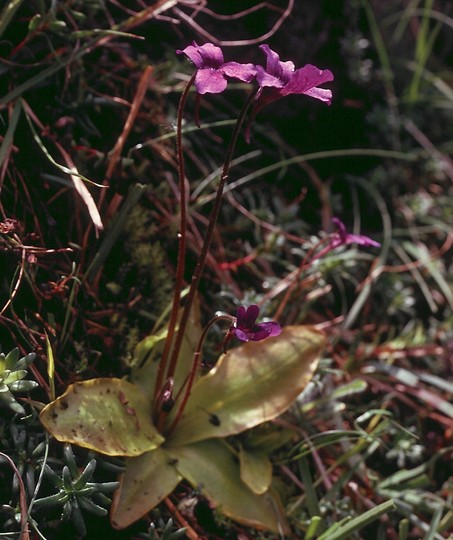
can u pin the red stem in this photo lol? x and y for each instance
(194, 368)
(208, 238)
(180, 265)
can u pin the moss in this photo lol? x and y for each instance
(141, 278)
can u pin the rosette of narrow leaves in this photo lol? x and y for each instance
(168, 532)
(76, 492)
(27, 448)
(13, 370)
(251, 384)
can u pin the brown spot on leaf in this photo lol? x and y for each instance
(63, 404)
(123, 398)
(214, 420)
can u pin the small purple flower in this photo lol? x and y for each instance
(280, 79)
(212, 72)
(246, 329)
(343, 238)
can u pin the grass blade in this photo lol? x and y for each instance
(345, 531)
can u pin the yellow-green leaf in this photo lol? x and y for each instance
(250, 385)
(256, 470)
(147, 480)
(111, 416)
(211, 467)
(145, 372)
(266, 438)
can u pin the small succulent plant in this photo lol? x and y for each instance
(27, 446)
(13, 370)
(168, 531)
(76, 491)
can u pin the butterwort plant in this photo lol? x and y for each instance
(172, 417)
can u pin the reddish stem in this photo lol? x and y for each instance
(179, 278)
(208, 237)
(195, 365)
(207, 241)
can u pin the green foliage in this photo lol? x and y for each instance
(249, 385)
(27, 445)
(13, 370)
(167, 532)
(76, 492)
(375, 422)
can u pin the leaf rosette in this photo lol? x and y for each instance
(251, 384)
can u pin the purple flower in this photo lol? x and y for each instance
(246, 329)
(343, 238)
(279, 79)
(212, 72)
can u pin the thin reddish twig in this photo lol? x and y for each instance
(17, 284)
(135, 107)
(190, 532)
(238, 42)
(24, 535)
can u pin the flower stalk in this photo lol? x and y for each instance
(207, 242)
(275, 81)
(195, 365)
(180, 265)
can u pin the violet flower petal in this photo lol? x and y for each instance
(280, 79)
(210, 81)
(212, 72)
(241, 335)
(246, 329)
(277, 73)
(243, 72)
(343, 238)
(207, 55)
(273, 328)
(305, 81)
(246, 318)
(265, 79)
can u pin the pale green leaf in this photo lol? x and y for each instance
(111, 416)
(145, 373)
(147, 480)
(346, 529)
(12, 358)
(266, 438)
(251, 384)
(209, 465)
(256, 470)
(23, 386)
(14, 376)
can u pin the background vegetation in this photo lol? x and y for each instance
(88, 222)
